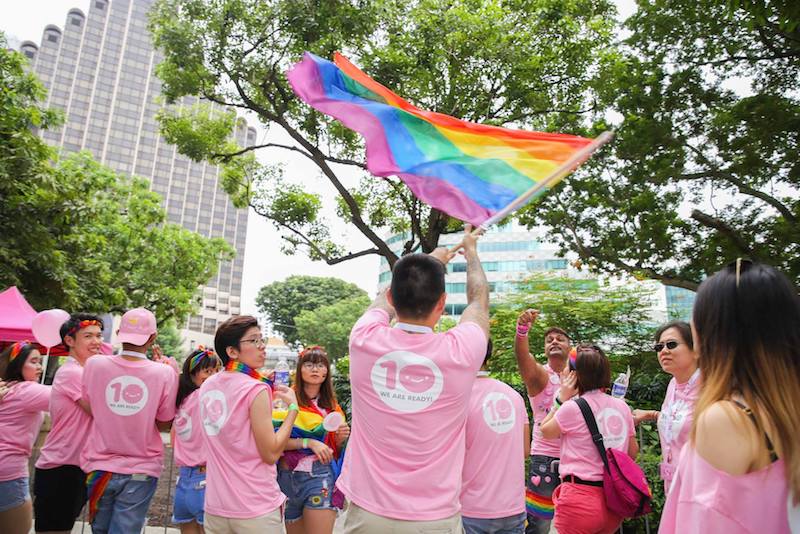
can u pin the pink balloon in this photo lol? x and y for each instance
(46, 326)
(332, 421)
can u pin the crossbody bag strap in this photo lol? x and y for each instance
(597, 437)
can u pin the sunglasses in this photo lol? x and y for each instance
(671, 345)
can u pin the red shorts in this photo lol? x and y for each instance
(581, 509)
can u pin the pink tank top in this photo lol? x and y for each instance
(541, 405)
(675, 422)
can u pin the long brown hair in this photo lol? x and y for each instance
(327, 398)
(747, 320)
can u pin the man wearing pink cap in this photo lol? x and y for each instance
(131, 398)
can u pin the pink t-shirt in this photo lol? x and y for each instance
(675, 421)
(20, 418)
(540, 406)
(240, 485)
(410, 396)
(704, 500)
(579, 456)
(493, 477)
(189, 443)
(70, 423)
(127, 398)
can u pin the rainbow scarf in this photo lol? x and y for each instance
(539, 505)
(308, 424)
(96, 482)
(473, 172)
(236, 366)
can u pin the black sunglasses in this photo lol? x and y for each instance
(658, 347)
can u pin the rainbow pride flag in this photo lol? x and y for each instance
(474, 172)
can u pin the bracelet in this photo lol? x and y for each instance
(558, 401)
(522, 330)
(293, 406)
(305, 443)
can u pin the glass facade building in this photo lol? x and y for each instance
(100, 70)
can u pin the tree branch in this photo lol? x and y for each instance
(723, 228)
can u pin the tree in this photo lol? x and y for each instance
(522, 63)
(78, 236)
(330, 325)
(282, 302)
(170, 340)
(699, 173)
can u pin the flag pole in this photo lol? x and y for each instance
(568, 166)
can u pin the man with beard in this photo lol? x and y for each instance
(542, 383)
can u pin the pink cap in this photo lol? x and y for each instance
(137, 326)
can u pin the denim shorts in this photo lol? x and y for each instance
(14, 493)
(190, 492)
(307, 490)
(514, 524)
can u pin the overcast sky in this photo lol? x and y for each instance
(263, 262)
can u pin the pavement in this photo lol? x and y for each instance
(82, 528)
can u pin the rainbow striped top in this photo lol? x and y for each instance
(470, 171)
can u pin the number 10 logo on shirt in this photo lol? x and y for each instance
(498, 412)
(126, 395)
(406, 382)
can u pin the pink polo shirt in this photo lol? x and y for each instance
(540, 407)
(579, 456)
(675, 422)
(20, 418)
(189, 445)
(410, 396)
(240, 485)
(704, 500)
(127, 397)
(70, 423)
(493, 477)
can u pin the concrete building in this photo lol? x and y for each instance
(508, 253)
(100, 69)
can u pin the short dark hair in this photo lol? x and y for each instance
(592, 368)
(556, 330)
(417, 285)
(12, 371)
(488, 355)
(230, 333)
(74, 321)
(683, 329)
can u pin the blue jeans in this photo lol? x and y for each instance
(189, 495)
(123, 507)
(514, 524)
(306, 490)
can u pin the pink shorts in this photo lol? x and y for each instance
(581, 509)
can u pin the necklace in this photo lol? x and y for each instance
(238, 367)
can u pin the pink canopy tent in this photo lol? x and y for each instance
(16, 316)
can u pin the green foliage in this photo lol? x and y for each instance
(341, 384)
(698, 174)
(170, 340)
(78, 236)
(282, 302)
(521, 64)
(330, 325)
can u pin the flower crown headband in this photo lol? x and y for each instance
(81, 325)
(16, 348)
(197, 358)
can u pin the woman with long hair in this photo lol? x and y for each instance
(21, 415)
(740, 471)
(675, 350)
(306, 473)
(187, 439)
(579, 500)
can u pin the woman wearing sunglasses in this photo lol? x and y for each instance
(675, 349)
(306, 472)
(740, 470)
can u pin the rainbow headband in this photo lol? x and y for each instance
(81, 325)
(197, 358)
(16, 348)
(238, 367)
